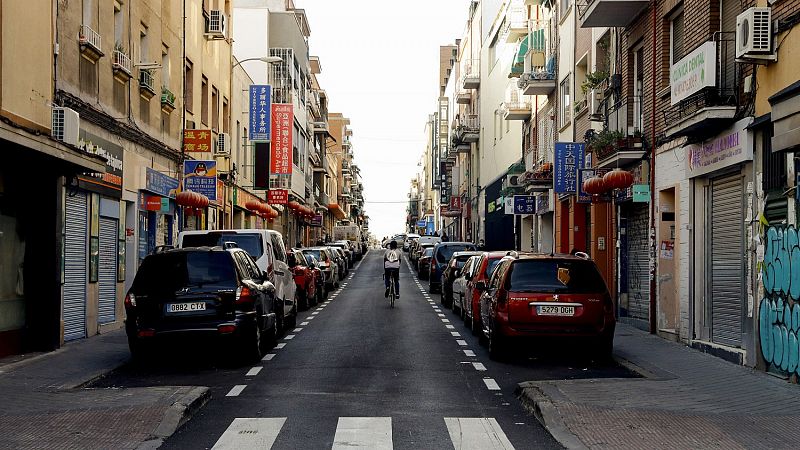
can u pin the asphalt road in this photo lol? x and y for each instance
(356, 373)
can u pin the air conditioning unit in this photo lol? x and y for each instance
(66, 125)
(513, 181)
(223, 147)
(215, 26)
(754, 33)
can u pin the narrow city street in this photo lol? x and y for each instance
(355, 371)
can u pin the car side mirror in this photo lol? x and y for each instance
(480, 286)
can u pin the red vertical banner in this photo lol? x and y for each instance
(281, 153)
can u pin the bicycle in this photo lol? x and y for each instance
(392, 290)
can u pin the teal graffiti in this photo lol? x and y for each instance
(779, 309)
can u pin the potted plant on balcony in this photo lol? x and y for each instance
(604, 143)
(593, 79)
(167, 100)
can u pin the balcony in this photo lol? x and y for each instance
(615, 146)
(147, 84)
(516, 106)
(609, 13)
(121, 64)
(471, 74)
(167, 100)
(90, 43)
(345, 167)
(463, 97)
(516, 22)
(712, 108)
(540, 177)
(538, 62)
(467, 130)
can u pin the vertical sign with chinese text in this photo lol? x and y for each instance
(282, 125)
(568, 159)
(260, 112)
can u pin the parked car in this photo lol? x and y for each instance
(410, 238)
(534, 295)
(424, 264)
(341, 259)
(418, 252)
(319, 277)
(451, 272)
(357, 250)
(267, 249)
(327, 264)
(344, 246)
(206, 291)
(304, 278)
(460, 284)
(442, 252)
(480, 270)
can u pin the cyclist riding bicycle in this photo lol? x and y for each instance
(391, 268)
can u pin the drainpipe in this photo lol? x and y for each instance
(651, 232)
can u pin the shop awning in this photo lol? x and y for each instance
(336, 210)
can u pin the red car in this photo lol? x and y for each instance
(480, 271)
(554, 296)
(305, 277)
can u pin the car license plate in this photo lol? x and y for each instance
(186, 307)
(555, 310)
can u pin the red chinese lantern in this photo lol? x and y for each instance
(293, 205)
(202, 201)
(618, 179)
(594, 186)
(184, 198)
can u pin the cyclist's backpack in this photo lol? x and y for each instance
(391, 256)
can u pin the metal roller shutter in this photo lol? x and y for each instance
(74, 308)
(107, 274)
(726, 260)
(638, 262)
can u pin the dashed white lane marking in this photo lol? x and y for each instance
(253, 372)
(268, 357)
(310, 318)
(491, 384)
(440, 315)
(455, 334)
(297, 330)
(450, 327)
(304, 323)
(280, 346)
(479, 366)
(461, 342)
(446, 320)
(363, 432)
(289, 337)
(236, 390)
(315, 313)
(250, 433)
(469, 353)
(477, 433)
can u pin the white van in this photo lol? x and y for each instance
(266, 247)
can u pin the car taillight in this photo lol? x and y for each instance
(226, 329)
(244, 296)
(146, 333)
(130, 301)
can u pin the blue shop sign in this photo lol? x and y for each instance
(158, 183)
(524, 204)
(569, 157)
(260, 112)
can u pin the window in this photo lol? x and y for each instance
(676, 37)
(165, 66)
(121, 96)
(204, 100)
(494, 52)
(88, 80)
(144, 110)
(565, 4)
(214, 109)
(119, 24)
(638, 87)
(165, 125)
(226, 118)
(144, 45)
(189, 73)
(564, 95)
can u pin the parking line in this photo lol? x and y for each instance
(469, 353)
(446, 320)
(309, 318)
(281, 345)
(491, 384)
(479, 366)
(440, 315)
(268, 357)
(253, 372)
(297, 330)
(461, 342)
(289, 337)
(304, 323)
(236, 390)
(455, 334)
(450, 327)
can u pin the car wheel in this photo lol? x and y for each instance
(498, 345)
(140, 351)
(603, 348)
(251, 345)
(457, 309)
(301, 299)
(292, 321)
(279, 317)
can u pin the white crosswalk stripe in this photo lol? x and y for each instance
(468, 433)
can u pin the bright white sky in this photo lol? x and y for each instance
(380, 68)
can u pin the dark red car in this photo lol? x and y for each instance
(305, 278)
(554, 296)
(472, 297)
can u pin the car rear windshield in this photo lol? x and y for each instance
(461, 260)
(556, 277)
(314, 253)
(429, 251)
(490, 265)
(249, 242)
(446, 251)
(171, 272)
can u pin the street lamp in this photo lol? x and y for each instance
(266, 59)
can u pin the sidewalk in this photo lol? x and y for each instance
(686, 399)
(43, 403)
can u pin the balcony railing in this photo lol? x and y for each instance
(516, 21)
(467, 130)
(121, 63)
(609, 13)
(167, 100)
(90, 42)
(463, 96)
(539, 62)
(516, 105)
(471, 74)
(147, 83)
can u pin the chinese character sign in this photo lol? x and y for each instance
(568, 159)
(585, 174)
(282, 125)
(455, 203)
(197, 140)
(524, 204)
(260, 112)
(201, 177)
(277, 196)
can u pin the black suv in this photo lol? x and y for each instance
(203, 291)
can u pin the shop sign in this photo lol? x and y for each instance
(583, 175)
(316, 221)
(508, 205)
(431, 227)
(260, 112)
(197, 140)
(729, 148)
(278, 197)
(148, 202)
(455, 202)
(201, 177)
(568, 159)
(641, 193)
(694, 72)
(282, 128)
(524, 204)
(221, 192)
(158, 183)
(109, 182)
(543, 205)
(420, 224)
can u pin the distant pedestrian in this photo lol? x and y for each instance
(444, 237)
(481, 245)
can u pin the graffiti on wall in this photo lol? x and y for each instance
(779, 310)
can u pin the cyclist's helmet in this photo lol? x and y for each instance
(393, 245)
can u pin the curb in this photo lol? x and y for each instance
(539, 404)
(176, 416)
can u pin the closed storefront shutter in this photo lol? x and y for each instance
(726, 260)
(107, 275)
(638, 262)
(74, 308)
